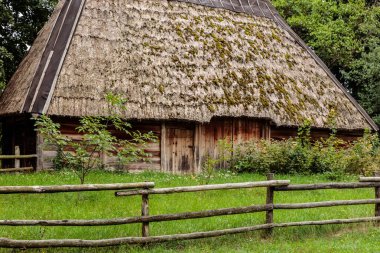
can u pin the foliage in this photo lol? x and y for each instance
(346, 35)
(97, 139)
(366, 73)
(20, 22)
(210, 164)
(330, 156)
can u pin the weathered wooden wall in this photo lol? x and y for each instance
(281, 133)
(186, 145)
(111, 162)
(183, 146)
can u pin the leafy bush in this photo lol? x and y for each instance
(300, 155)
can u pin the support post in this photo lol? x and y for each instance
(269, 201)
(145, 212)
(377, 196)
(17, 153)
(164, 166)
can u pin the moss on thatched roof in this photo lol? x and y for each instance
(177, 60)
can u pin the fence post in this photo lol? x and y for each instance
(269, 201)
(145, 212)
(17, 161)
(377, 196)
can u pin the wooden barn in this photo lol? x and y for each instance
(194, 72)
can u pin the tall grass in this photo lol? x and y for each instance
(96, 205)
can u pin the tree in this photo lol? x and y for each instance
(84, 155)
(346, 35)
(366, 73)
(20, 22)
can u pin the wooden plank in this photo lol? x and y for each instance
(180, 145)
(322, 186)
(269, 201)
(72, 188)
(210, 187)
(143, 166)
(24, 169)
(10, 243)
(49, 153)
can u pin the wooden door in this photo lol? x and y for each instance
(179, 149)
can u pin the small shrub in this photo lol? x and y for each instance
(96, 139)
(210, 165)
(300, 155)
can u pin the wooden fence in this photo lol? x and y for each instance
(16, 157)
(146, 189)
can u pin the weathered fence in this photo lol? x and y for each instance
(146, 189)
(17, 157)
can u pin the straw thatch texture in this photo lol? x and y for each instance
(177, 60)
(13, 97)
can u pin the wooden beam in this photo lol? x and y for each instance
(17, 153)
(327, 204)
(72, 188)
(9, 243)
(163, 147)
(140, 219)
(145, 212)
(210, 187)
(16, 169)
(322, 186)
(269, 201)
(3, 157)
(40, 151)
(369, 179)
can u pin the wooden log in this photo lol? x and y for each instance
(139, 219)
(144, 213)
(369, 179)
(3, 157)
(17, 153)
(72, 188)
(269, 201)
(210, 187)
(17, 169)
(327, 204)
(377, 196)
(163, 163)
(322, 186)
(39, 150)
(9, 243)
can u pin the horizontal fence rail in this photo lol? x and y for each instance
(324, 186)
(146, 188)
(369, 179)
(5, 157)
(72, 188)
(139, 219)
(23, 169)
(9, 243)
(210, 187)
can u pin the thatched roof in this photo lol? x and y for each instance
(186, 60)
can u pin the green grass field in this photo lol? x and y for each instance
(96, 205)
